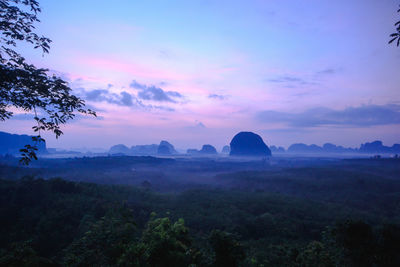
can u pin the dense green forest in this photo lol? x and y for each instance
(308, 215)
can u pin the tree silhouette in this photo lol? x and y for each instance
(228, 251)
(26, 87)
(396, 36)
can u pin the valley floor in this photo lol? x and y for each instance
(145, 211)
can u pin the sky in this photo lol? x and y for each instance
(198, 72)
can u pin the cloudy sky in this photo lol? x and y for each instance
(197, 72)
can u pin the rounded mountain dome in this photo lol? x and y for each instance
(208, 149)
(249, 144)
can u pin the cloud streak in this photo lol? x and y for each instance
(122, 99)
(155, 93)
(328, 71)
(218, 97)
(290, 81)
(157, 96)
(362, 116)
(311, 79)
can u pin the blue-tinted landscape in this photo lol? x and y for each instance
(200, 133)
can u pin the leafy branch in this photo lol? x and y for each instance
(396, 36)
(22, 85)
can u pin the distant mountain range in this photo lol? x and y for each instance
(375, 147)
(12, 143)
(205, 150)
(166, 148)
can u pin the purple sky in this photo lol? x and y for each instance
(198, 72)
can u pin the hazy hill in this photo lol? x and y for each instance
(208, 149)
(119, 149)
(375, 147)
(378, 147)
(12, 143)
(165, 148)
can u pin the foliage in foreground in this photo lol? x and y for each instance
(24, 86)
(396, 36)
(59, 223)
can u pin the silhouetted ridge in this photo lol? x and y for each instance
(12, 143)
(277, 149)
(248, 144)
(165, 148)
(303, 148)
(371, 148)
(208, 149)
(378, 147)
(192, 151)
(144, 149)
(119, 149)
(226, 150)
